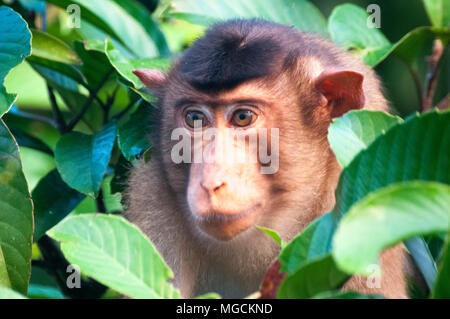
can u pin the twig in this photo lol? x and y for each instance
(60, 122)
(434, 68)
(36, 117)
(109, 103)
(416, 80)
(126, 109)
(92, 95)
(444, 103)
(101, 208)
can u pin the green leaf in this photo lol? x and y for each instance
(386, 217)
(345, 295)
(424, 259)
(16, 217)
(442, 284)
(15, 46)
(115, 253)
(416, 149)
(53, 200)
(140, 13)
(348, 26)
(95, 63)
(298, 13)
(438, 11)
(27, 140)
(133, 134)
(48, 47)
(354, 131)
(210, 295)
(44, 292)
(68, 70)
(411, 44)
(104, 15)
(82, 159)
(126, 66)
(273, 234)
(6, 293)
(302, 249)
(312, 278)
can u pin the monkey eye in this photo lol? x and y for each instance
(243, 118)
(193, 116)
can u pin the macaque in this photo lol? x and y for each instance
(267, 93)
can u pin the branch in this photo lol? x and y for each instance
(434, 68)
(92, 96)
(60, 122)
(36, 117)
(444, 103)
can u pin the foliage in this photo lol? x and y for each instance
(93, 128)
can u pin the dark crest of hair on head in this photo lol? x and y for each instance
(236, 51)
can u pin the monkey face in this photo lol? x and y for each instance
(225, 191)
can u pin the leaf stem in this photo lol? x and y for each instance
(444, 103)
(434, 68)
(416, 80)
(125, 110)
(92, 95)
(59, 118)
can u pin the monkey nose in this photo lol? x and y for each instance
(212, 186)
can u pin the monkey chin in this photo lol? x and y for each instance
(225, 226)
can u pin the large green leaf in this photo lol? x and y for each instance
(140, 13)
(298, 13)
(48, 47)
(354, 131)
(16, 216)
(125, 66)
(82, 159)
(15, 46)
(53, 200)
(416, 149)
(312, 278)
(425, 261)
(95, 63)
(438, 11)
(300, 250)
(348, 26)
(386, 217)
(104, 15)
(133, 134)
(411, 44)
(442, 284)
(116, 253)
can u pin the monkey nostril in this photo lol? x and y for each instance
(218, 187)
(212, 187)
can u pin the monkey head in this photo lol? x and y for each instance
(241, 125)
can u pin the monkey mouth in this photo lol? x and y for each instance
(225, 226)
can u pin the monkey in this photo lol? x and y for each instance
(247, 75)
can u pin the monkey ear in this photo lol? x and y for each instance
(342, 90)
(152, 78)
